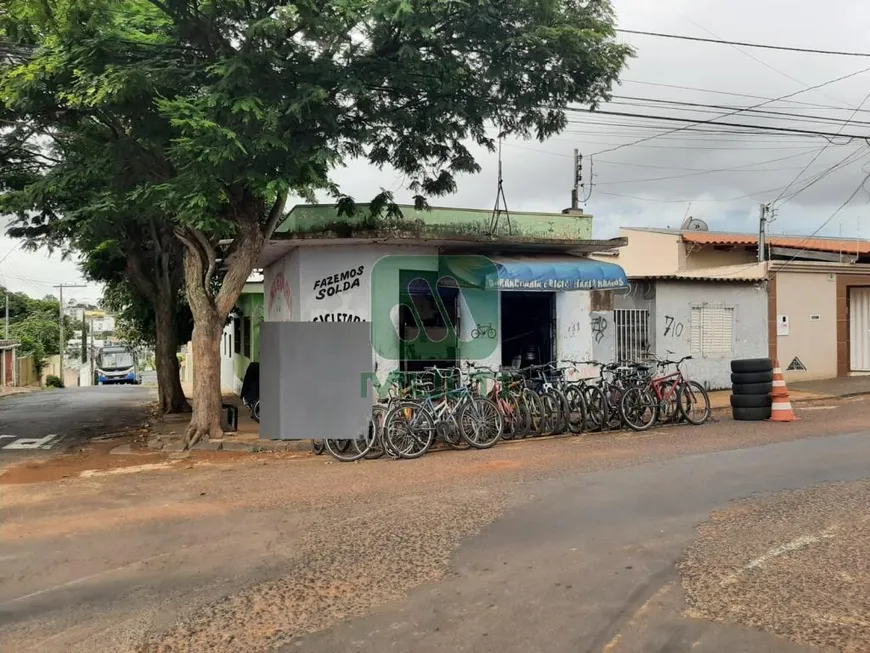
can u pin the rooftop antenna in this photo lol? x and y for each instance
(501, 206)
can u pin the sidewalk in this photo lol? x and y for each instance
(847, 386)
(168, 431)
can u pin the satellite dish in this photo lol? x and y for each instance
(694, 224)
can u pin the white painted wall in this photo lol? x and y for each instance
(675, 300)
(574, 340)
(281, 289)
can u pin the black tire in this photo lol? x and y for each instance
(752, 365)
(689, 397)
(751, 377)
(596, 408)
(575, 411)
(639, 408)
(317, 447)
(751, 414)
(750, 401)
(752, 388)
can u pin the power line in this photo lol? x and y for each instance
(734, 94)
(739, 168)
(761, 104)
(848, 160)
(649, 103)
(714, 121)
(683, 201)
(800, 174)
(763, 63)
(745, 44)
(826, 222)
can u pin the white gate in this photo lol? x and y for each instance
(859, 329)
(632, 334)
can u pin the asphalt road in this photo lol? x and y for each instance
(588, 564)
(55, 419)
(552, 546)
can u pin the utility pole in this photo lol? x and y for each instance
(578, 179)
(7, 313)
(762, 233)
(62, 341)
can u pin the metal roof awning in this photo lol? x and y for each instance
(541, 274)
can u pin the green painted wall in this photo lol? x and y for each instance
(314, 218)
(251, 305)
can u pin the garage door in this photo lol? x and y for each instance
(859, 328)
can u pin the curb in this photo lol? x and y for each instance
(177, 444)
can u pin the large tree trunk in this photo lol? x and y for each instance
(210, 309)
(205, 422)
(169, 390)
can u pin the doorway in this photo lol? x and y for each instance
(528, 326)
(859, 328)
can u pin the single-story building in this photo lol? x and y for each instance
(806, 303)
(421, 276)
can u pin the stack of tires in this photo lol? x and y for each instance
(751, 384)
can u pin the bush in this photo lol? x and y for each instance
(52, 381)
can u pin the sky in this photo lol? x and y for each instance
(716, 177)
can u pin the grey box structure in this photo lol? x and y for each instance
(311, 379)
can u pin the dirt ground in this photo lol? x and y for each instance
(794, 564)
(242, 552)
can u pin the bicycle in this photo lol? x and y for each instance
(664, 397)
(411, 426)
(483, 331)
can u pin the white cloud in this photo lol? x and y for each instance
(538, 175)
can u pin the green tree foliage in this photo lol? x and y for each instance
(35, 323)
(210, 112)
(135, 319)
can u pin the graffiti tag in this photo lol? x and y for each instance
(672, 327)
(280, 287)
(599, 328)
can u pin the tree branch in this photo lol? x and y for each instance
(275, 214)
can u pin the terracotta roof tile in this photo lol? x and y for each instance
(796, 242)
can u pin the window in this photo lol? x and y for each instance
(632, 334)
(237, 335)
(246, 343)
(712, 329)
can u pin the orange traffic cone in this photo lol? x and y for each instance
(781, 410)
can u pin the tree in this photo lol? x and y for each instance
(220, 109)
(137, 324)
(35, 323)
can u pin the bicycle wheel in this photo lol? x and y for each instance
(575, 409)
(347, 450)
(449, 429)
(534, 411)
(409, 429)
(694, 403)
(638, 408)
(613, 401)
(515, 417)
(378, 447)
(596, 408)
(480, 422)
